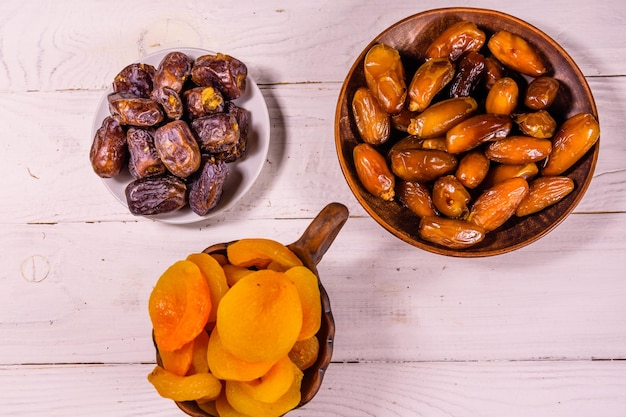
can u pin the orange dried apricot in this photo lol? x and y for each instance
(259, 252)
(226, 366)
(178, 361)
(235, 273)
(274, 384)
(309, 291)
(260, 318)
(198, 358)
(184, 388)
(215, 277)
(244, 403)
(304, 353)
(224, 409)
(179, 305)
(208, 407)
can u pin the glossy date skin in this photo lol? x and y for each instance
(108, 152)
(225, 72)
(242, 116)
(384, 75)
(206, 187)
(469, 74)
(156, 195)
(178, 148)
(128, 109)
(216, 133)
(144, 159)
(136, 79)
(203, 101)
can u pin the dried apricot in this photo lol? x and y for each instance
(260, 317)
(309, 292)
(304, 353)
(224, 409)
(274, 384)
(199, 362)
(259, 252)
(235, 273)
(184, 388)
(215, 278)
(226, 366)
(179, 305)
(178, 361)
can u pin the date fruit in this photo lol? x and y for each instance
(456, 40)
(469, 74)
(156, 195)
(473, 168)
(497, 204)
(128, 109)
(516, 53)
(372, 121)
(438, 118)
(223, 71)
(541, 93)
(216, 133)
(501, 172)
(144, 158)
(518, 150)
(135, 79)
(172, 72)
(539, 124)
(451, 233)
(450, 197)
(373, 172)
(384, 75)
(177, 148)
(205, 190)
(203, 101)
(503, 97)
(422, 165)
(416, 197)
(544, 192)
(573, 139)
(429, 79)
(109, 151)
(477, 130)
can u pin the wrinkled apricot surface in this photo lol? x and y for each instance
(184, 388)
(215, 277)
(235, 273)
(259, 253)
(274, 384)
(304, 353)
(244, 403)
(178, 361)
(198, 358)
(309, 291)
(224, 365)
(224, 409)
(179, 305)
(260, 318)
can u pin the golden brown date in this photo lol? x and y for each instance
(135, 79)
(416, 197)
(501, 172)
(456, 40)
(450, 233)
(384, 75)
(541, 93)
(477, 130)
(407, 142)
(144, 158)
(497, 204)
(539, 124)
(372, 122)
(156, 195)
(469, 73)
(502, 97)
(572, 140)
(177, 148)
(216, 133)
(516, 53)
(438, 118)
(109, 150)
(172, 72)
(203, 101)
(401, 121)
(207, 184)
(494, 70)
(429, 79)
(544, 192)
(435, 143)
(128, 109)
(223, 71)
(450, 197)
(518, 150)
(473, 168)
(170, 101)
(373, 172)
(421, 165)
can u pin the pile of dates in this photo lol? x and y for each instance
(472, 138)
(174, 127)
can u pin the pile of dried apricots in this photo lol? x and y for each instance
(235, 330)
(479, 141)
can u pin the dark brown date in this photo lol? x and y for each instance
(227, 73)
(172, 72)
(144, 158)
(135, 79)
(216, 133)
(203, 101)
(128, 109)
(155, 195)
(469, 74)
(170, 101)
(178, 148)
(205, 190)
(243, 121)
(494, 70)
(108, 152)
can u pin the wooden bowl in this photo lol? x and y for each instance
(411, 37)
(310, 248)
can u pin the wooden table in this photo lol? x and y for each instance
(541, 331)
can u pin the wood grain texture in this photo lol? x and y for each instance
(540, 331)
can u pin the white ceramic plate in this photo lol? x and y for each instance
(242, 173)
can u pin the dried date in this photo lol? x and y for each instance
(178, 148)
(216, 133)
(128, 109)
(136, 79)
(144, 158)
(205, 189)
(109, 151)
(223, 71)
(156, 195)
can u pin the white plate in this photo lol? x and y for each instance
(242, 173)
